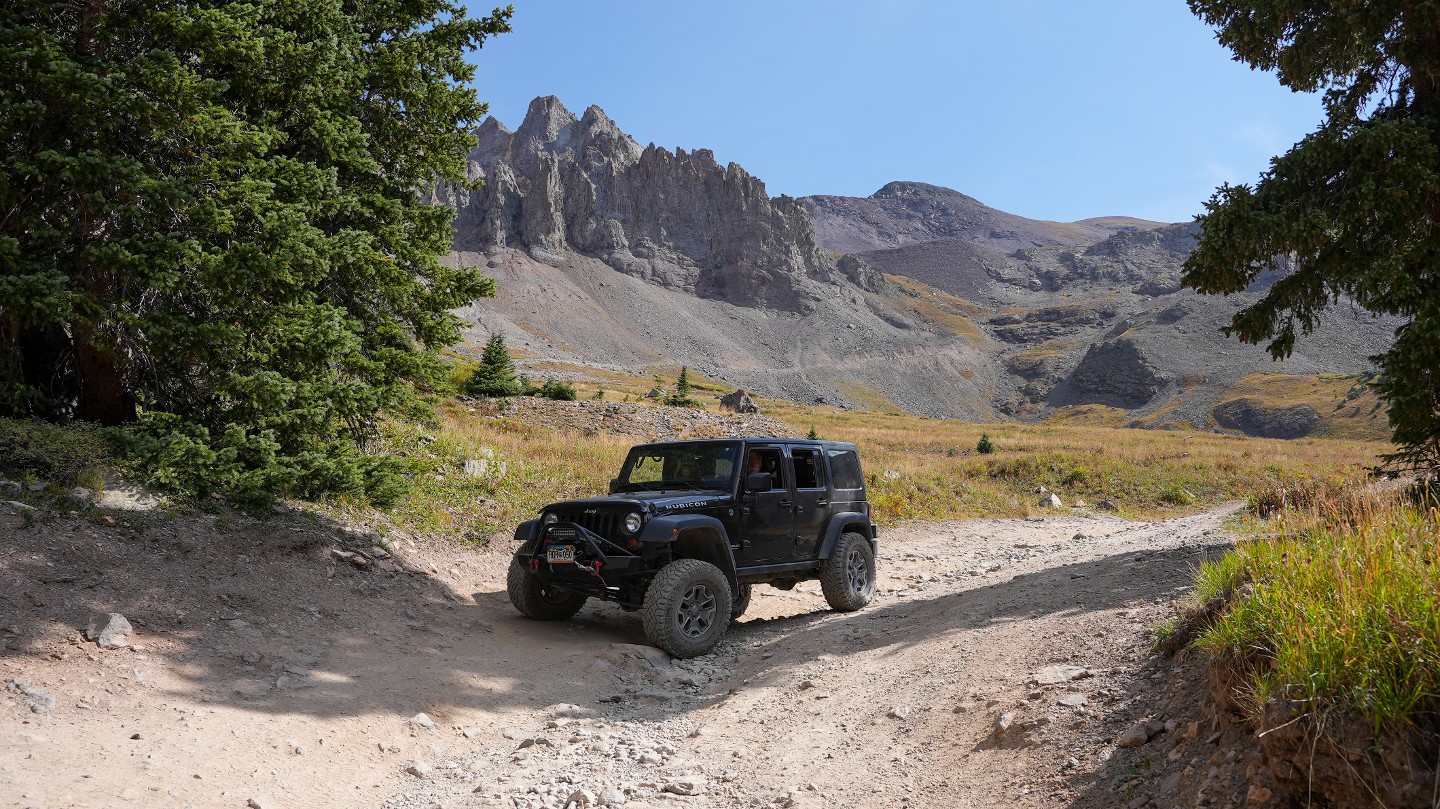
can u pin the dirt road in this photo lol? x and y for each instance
(996, 667)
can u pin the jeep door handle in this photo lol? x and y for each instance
(822, 503)
(799, 509)
(785, 503)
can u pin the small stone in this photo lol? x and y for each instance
(899, 712)
(37, 699)
(1134, 737)
(1074, 701)
(259, 803)
(1050, 501)
(419, 769)
(1080, 535)
(253, 689)
(1055, 675)
(251, 657)
(686, 786)
(1257, 795)
(421, 720)
(1004, 722)
(1106, 505)
(109, 630)
(806, 685)
(610, 796)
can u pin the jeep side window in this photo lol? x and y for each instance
(766, 460)
(845, 469)
(808, 471)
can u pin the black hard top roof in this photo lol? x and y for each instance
(753, 440)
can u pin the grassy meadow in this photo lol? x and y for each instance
(916, 468)
(1334, 602)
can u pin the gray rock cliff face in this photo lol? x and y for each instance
(559, 184)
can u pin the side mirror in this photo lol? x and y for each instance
(759, 482)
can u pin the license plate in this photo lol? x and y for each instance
(560, 554)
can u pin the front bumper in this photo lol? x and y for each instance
(598, 567)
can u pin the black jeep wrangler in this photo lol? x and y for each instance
(691, 526)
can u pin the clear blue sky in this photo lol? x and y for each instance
(1047, 108)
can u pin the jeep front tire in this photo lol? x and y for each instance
(847, 578)
(534, 599)
(687, 607)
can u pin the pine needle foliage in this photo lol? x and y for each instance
(1352, 212)
(212, 231)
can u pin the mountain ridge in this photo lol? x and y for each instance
(615, 255)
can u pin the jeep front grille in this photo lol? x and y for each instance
(606, 524)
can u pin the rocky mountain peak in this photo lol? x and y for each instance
(545, 120)
(561, 185)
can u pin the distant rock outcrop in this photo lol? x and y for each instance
(1116, 372)
(677, 219)
(1253, 418)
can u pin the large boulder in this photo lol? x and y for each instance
(740, 402)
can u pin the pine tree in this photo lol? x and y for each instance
(211, 231)
(1353, 210)
(495, 376)
(681, 396)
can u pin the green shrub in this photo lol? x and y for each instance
(984, 446)
(554, 389)
(66, 455)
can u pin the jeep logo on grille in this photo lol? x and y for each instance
(592, 511)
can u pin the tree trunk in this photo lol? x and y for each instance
(104, 398)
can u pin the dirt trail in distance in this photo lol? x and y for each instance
(269, 670)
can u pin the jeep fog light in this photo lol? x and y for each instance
(632, 522)
(550, 518)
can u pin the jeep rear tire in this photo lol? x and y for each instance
(535, 599)
(847, 578)
(687, 607)
(742, 601)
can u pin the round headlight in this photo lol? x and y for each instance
(550, 518)
(633, 520)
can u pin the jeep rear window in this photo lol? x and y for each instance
(807, 469)
(845, 469)
(678, 466)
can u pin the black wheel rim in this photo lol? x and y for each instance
(696, 613)
(857, 572)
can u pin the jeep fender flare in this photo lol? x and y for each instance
(527, 531)
(839, 524)
(695, 536)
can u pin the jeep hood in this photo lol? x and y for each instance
(662, 502)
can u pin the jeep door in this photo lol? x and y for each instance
(812, 500)
(768, 517)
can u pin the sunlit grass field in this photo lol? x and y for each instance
(916, 468)
(1335, 603)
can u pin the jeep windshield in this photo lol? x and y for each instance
(697, 466)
